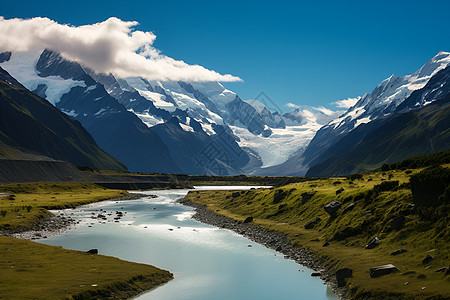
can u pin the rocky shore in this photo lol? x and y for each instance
(55, 224)
(271, 239)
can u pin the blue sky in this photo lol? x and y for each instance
(306, 53)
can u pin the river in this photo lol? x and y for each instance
(208, 263)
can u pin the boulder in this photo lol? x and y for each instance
(398, 222)
(332, 207)
(338, 191)
(311, 224)
(248, 220)
(348, 208)
(373, 243)
(383, 270)
(399, 251)
(92, 251)
(235, 194)
(315, 274)
(336, 182)
(341, 274)
(427, 260)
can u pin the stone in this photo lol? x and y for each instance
(332, 207)
(398, 222)
(92, 251)
(373, 243)
(235, 194)
(248, 220)
(311, 224)
(336, 182)
(383, 270)
(427, 260)
(315, 274)
(399, 251)
(348, 208)
(342, 274)
(338, 191)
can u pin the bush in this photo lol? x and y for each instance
(431, 187)
(355, 176)
(385, 186)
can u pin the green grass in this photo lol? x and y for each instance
(352, 230)
(30, 270)
(27, 203)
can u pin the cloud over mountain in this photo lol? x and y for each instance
(346, 103)
(109, 46)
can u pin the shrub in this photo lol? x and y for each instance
(385, 186)
(355, 176)
(431, 187)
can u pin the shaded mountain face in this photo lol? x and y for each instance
(30, 122)
(383, 100)
(419, 125)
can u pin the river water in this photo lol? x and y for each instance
(208, 263)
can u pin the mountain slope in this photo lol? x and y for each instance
(391, 139)
(33, 123)
(383, 100)
(68, 86)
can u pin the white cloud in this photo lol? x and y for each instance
(325, 111)
(110, 46)
(346, 103)
(292, 105)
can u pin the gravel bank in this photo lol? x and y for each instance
(57, 223)
(271, 239)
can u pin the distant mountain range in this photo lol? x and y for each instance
(167, 127)
(203, 128)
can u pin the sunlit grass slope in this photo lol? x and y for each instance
(376, 202)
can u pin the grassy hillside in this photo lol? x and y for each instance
(378, 199)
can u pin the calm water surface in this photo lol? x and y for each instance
(208, 263)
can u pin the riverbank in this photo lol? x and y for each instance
(31, 268)
(270, 239)
(353, 224)
(55, 224)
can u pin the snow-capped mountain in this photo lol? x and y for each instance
(420, 125)
(383, 100)
(206, 106)
(169, 126)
